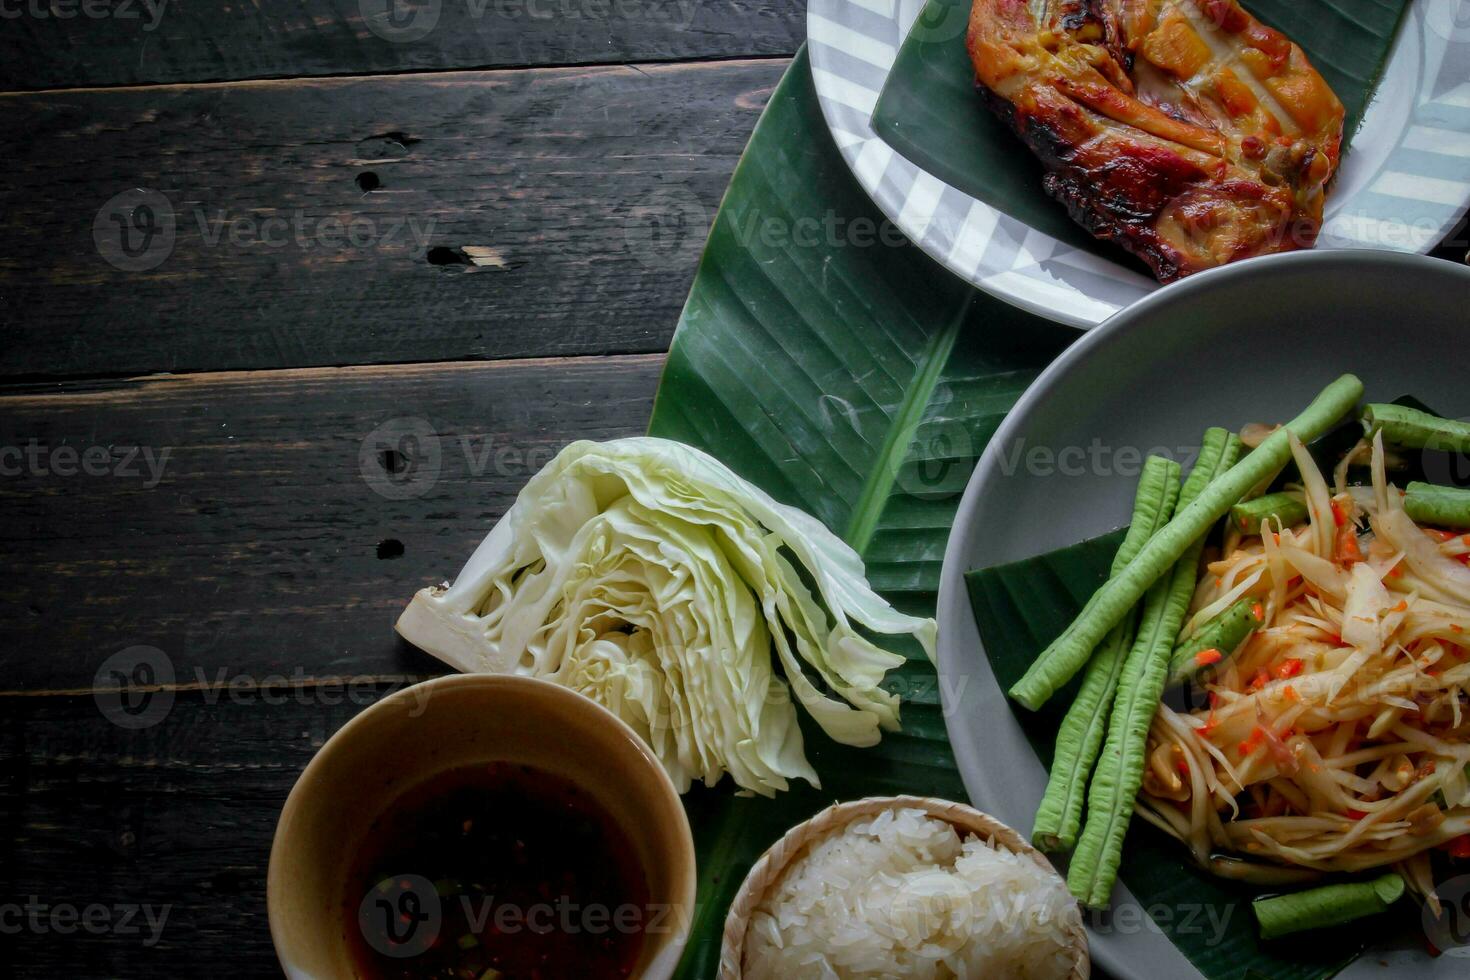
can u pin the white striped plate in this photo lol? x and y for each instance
(1403, 184)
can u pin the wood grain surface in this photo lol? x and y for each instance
(269, 523)
(368, 220)
(70, 43)
(171, 821)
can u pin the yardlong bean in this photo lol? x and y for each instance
(1427, 503)
(1119, 773)
(1405, 426)
(1081, 734)
(1069, 652)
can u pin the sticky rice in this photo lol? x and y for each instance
(902, 895)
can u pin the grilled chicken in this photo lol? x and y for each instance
(1185, 131)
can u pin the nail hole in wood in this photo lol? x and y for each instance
(390, 548)
(392, 461)
(368, 181)
(444, 255)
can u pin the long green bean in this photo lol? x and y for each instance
(1330, 905)
(1405, 426)
(1067, 653)
(1080, 737)
(1427, 503)
(1249, 516)
(1202, 654)
(1119, 774)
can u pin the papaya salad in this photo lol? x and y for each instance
(1276, 671)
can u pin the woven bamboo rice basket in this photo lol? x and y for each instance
(772, 865)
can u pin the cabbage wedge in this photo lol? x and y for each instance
(649, 577)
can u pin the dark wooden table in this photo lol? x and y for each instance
(470, 223)
(296, 294)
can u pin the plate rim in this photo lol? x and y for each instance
(880, 169)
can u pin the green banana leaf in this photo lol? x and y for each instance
(930, 113)
(827, 360)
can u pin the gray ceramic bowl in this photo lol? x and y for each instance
(1248, 342)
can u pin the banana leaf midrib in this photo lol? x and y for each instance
(884, 470)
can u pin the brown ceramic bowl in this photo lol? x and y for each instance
(448, 723)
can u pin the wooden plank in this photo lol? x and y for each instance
(173, 821)
(71, 43)
(366, 220)
(272, 523)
